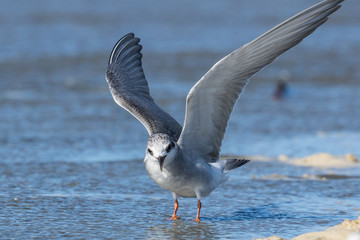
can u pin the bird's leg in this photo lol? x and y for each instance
(197, 219)
(176, 206)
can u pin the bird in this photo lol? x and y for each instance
(185, 160)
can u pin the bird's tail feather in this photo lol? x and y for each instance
(234, 163)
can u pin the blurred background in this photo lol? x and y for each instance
(71, 159)
(55, 104)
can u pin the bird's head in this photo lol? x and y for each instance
(160, 147)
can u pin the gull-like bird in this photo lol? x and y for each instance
(185, 160)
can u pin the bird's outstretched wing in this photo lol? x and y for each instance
(211, 100)
(130, 90)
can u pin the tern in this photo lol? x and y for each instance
(185, 160)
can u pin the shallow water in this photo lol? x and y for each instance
(117, 199)
(70, 159)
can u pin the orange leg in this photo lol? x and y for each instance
(176, 206)
(197, 219)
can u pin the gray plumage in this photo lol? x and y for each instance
(130, 90)
(185, 160)
(211, 100)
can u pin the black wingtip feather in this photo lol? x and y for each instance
(129, 48)
(119, 45)
(126, 54)
(234, 163)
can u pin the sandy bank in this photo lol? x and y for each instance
(323, 160)
(347, 230)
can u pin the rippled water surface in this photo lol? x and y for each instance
(117, 200)
(71, 159)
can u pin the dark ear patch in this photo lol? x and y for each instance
(149, 151)
(170, 146)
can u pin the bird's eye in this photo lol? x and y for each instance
(149, 151)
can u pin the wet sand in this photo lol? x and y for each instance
(324, 160)
(347, 230)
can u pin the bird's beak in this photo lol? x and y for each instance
(161, 162)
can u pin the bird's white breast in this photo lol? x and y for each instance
(201, 179)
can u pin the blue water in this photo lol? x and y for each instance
(71, 159)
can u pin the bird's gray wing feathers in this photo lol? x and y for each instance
(211, 100)
(130, 90)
